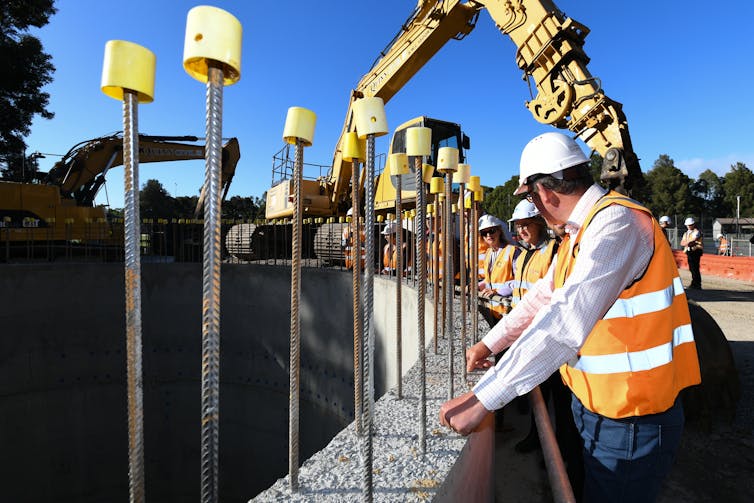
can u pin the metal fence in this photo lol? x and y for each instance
(739, 245)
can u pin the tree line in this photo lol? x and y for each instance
(666, 191)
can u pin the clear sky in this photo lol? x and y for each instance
(683, 71)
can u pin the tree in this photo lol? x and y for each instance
(708, 188)
(155, 202)
(26, 69)
(739, 181)
(668, 189)
(500, 201)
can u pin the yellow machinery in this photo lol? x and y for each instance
(62, 207)
(550, 53)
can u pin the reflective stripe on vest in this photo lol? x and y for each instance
(640, 355)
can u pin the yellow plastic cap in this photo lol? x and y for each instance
(447, 159)
(454, 206)
(369, 115)
(128, 66)
(430, 209)
(353, 148)
(441, 196)
(436, 185)
(474, 183)
(398, 164)
(212, 35)
(463, 173)
(380, 218)
(479, 195)
(299, 124)
(418, 141)
(427, 171)
(467, 202)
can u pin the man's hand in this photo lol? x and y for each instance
(463, 414)
(476, 357)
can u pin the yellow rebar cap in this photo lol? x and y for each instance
(474, 183)
(369, 115)
(299, 124)
(353, 148)
(479, 195)
(212, 35)
(380, 218)
(436, 185)
(463, 173)
(430, 209)
(418, 141)
(128, 66)
(427, 171)
(398, 164)
(447, 159)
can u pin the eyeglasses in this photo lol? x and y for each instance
(488, 232)
(522, 226)
(530, 184)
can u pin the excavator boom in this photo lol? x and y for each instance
(81, 172)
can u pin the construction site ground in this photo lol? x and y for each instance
(713, 464)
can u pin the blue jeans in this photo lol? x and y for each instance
(626, 460)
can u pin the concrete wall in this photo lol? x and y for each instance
(63, 395)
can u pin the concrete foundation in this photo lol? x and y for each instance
(63, 420)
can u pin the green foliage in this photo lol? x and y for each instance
(155, 202)
(26, 69)
(708, 189)
(739, 181)
(500, 201)
(669, 189)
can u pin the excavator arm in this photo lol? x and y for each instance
(81, 172)
(549, 52)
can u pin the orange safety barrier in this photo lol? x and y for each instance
(718, 265)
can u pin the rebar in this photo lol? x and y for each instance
(211, 290)
(420, 294)
(436, 267)
(474, 289)
(133, 298)
(295, 341)
(556, 471)
(368, 357)
(358, 340)
(449, 278)
(462, 266)
(398, 281)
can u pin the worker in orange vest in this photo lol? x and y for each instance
(611, 313)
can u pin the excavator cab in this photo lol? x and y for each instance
(444, 134)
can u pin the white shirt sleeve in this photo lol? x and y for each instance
(615, 249)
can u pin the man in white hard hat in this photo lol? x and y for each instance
(694, 248)
(624, 357)
(664, 224)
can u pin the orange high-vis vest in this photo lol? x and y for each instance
(482, 254)
(498, 274)
(642, 353)
(530, 267)
(348, 249)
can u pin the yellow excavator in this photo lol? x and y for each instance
(61, 207)
(551, 56)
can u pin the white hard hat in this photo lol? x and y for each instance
(665, 219)
(720, 236)
(487, 221)
(349, 212)
(389, 229)
(689, 221)
(524, 209)
(548, 154)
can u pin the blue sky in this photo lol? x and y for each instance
(683, 71)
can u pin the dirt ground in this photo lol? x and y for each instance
(714, 463)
